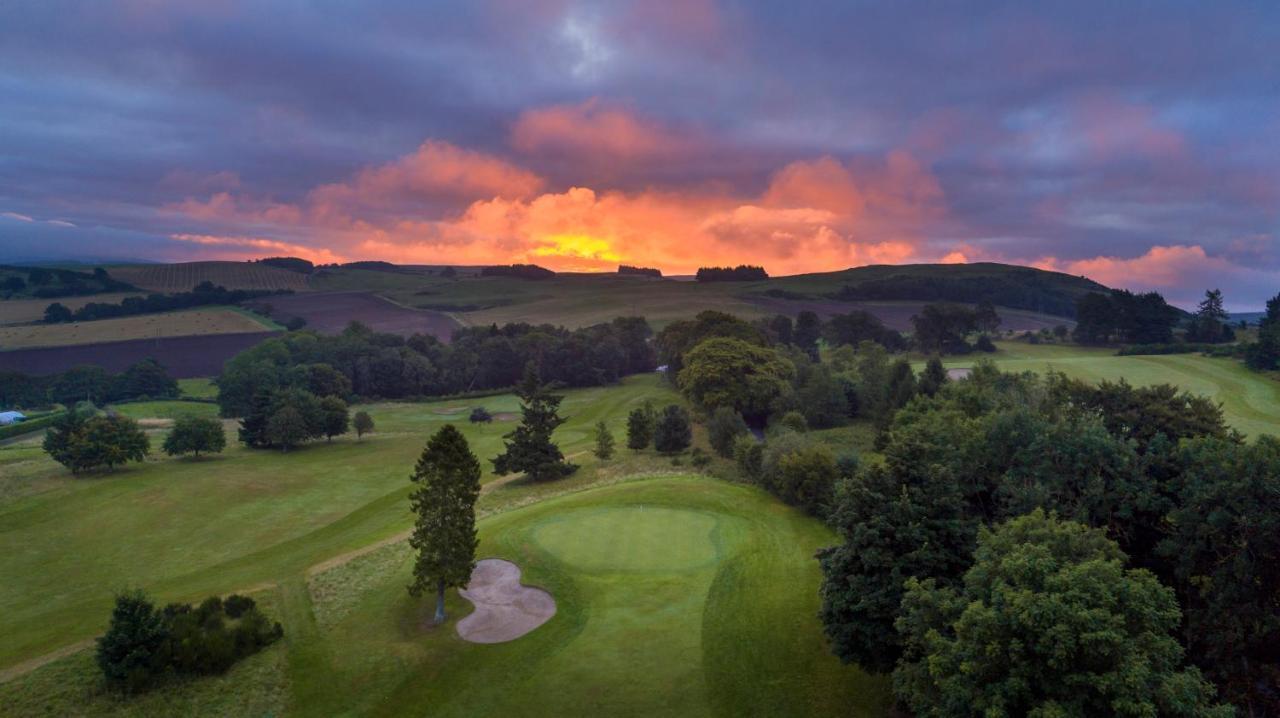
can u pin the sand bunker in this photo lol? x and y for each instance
(958, 374)
(505, 609)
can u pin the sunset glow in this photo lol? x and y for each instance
(1100, 140)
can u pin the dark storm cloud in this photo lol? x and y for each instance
(1057, 133)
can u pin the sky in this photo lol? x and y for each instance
(1136, 143)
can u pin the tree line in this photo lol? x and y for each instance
(205, 294)
(46, 282)
(626, 269)
(740, 273)
(362, 363)
(518, 271)
(145, 379)
(1028, 290)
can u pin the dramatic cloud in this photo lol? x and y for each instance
(1134, 143)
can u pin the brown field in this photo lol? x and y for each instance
(171, 278)
(214, 320)
(330, 313)
(25, 311)
(182, 357)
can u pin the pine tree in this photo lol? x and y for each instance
(253, 427)
(529, 448)
(604, 442)
(640, 424)
(673, 432)
(447, 479)
(933, 377)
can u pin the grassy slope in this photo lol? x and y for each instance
(1250, 401)
(185, 528)
(187, 322)
(183, 277)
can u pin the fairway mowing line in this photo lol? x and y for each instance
(29, 665)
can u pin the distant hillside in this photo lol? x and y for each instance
(1004, 285)
(183, 277)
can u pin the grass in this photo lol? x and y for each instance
(208, 320)
(679, 596)
(1250, 401)
(676, 594)
(184, 528)
(166, 410)
(198, 388)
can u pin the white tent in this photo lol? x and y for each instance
(11, 417)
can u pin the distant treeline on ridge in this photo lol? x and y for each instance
(640, 271)
(204, 294)
(519, 271)
(740, 273)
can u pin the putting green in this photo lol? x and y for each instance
(676, 596)
(630, 538)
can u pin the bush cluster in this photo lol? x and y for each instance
(146, 379)
(143, 646)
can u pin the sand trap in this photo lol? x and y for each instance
(958, 374)
(505, 608)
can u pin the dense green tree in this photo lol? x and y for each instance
(1223, 543)
(447, 484)
(84, 444)
(529, 448)
(933, 377)
(193, 434)
(56, 313)
(986, 320)
(860, 326)
(131, 652)
(895, 525)
(146, 378)
(1264, 354)
(730, 372)
(641, 422)
(821, 398)
(323, 380)
(680, 337)
(604, 442)
(1140, 413)
(807, 332)
(1047, 622)
(942, 328)
(81, 383)
(673, 433)
(723, 429)
(336, 420)
(363, 424)
(806, 479)
(1122, 316)
(782, 328)
(253, 427)
(287, 428)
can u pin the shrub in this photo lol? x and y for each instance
(984, 344)
(480, 415)
(235, 605)
(699, 458)
(794, 421)
(131, 652)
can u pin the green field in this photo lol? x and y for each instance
(1250, 401)
(705, 587)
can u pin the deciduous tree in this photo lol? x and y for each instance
(194, 434)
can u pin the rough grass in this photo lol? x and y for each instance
(191, 322)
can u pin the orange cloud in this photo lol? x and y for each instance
(1160, 266)
(593, 128)
(814, 215)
